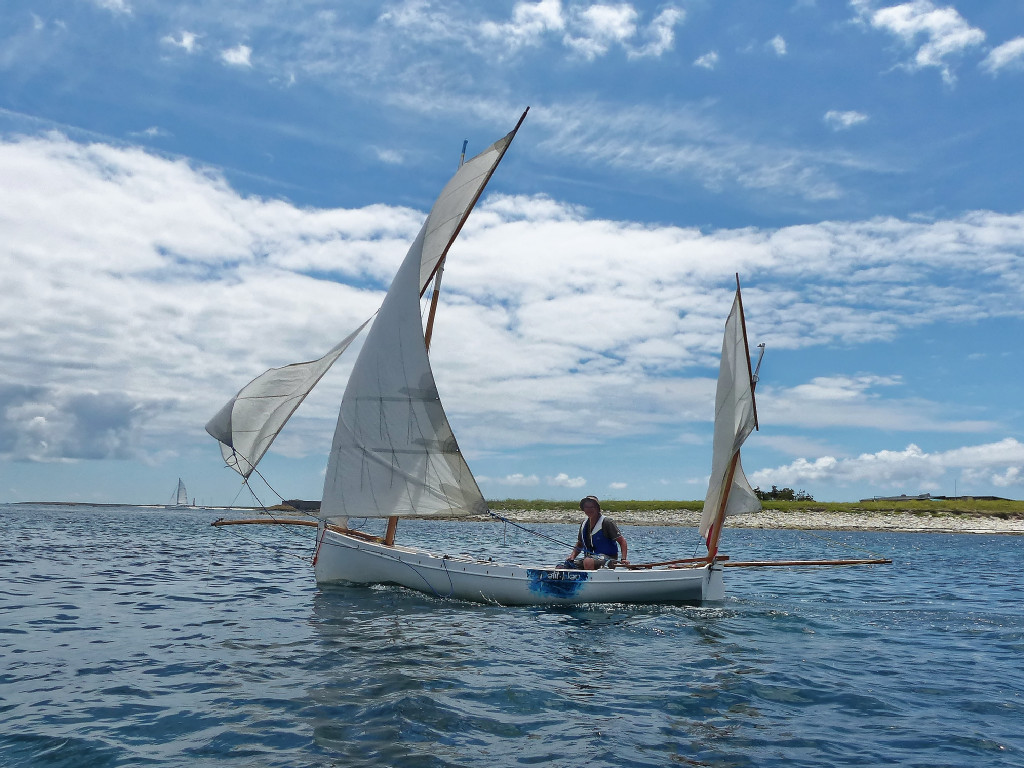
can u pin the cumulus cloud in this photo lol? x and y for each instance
(163, 284)
(841, 121)
(239, 56)
(778, 45)
(562, 480)
(54, 424)
(1009, 55)
(909, 470)
(529, 24)
(945, 33)
(590, 30)
(187, 41)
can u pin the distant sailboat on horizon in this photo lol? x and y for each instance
(180, 497)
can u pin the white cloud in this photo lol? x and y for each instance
(661, 34)
(1009, 55)
(389, 156)
(840, 121)
(708, 61)
(685, 140)
(617, 486)
(590, 30)
(239, 56)
(159, 280)
(910, 470)
(187, 41)
(860, 401)
(778, 45)
(517, 479)
(562, 480)
(115, 6)
(946, 33)
(529, 24)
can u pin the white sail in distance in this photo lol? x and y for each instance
(394, 453)
(735, 419)
(181, 497)
(248, 423)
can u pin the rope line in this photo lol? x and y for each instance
(538, 534)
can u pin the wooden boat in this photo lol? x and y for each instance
(394, 454)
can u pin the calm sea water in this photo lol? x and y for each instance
(144, 637)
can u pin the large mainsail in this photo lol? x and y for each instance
(729, 493)
(394, 453)
(248, 423)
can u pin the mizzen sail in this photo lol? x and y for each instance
(729, 493)
(248, 423)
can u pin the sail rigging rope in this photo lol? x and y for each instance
(538, 534)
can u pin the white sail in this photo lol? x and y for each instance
(181, 499)
(247, 425)
(394, 453)
(452, 207)
(735, 418)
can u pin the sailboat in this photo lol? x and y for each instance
(394, 454)
(180, 496)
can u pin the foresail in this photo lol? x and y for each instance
(247, 425)
(393, 452)
(735, 418)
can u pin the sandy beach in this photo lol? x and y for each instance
(906, 522)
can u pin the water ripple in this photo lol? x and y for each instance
(148, 638)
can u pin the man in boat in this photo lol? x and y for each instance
(599, 540)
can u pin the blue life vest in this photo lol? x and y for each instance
(598, 543)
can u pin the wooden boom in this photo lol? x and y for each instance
(311, 523)
(765, 563)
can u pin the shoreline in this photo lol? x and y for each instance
(896, 522)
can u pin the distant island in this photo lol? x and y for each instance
(900, 513)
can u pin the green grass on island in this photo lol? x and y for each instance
(1000, 508)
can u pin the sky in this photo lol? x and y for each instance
(194, 192)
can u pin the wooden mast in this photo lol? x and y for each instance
(389, 534)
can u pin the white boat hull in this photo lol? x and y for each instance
(343, 559)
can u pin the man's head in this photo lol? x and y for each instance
(590, 504)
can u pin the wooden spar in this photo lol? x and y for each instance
(310, 523)
(705, 559)
(263, 521)
(716, 526)
(389, 534)
(766, 563)
(433, 303)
